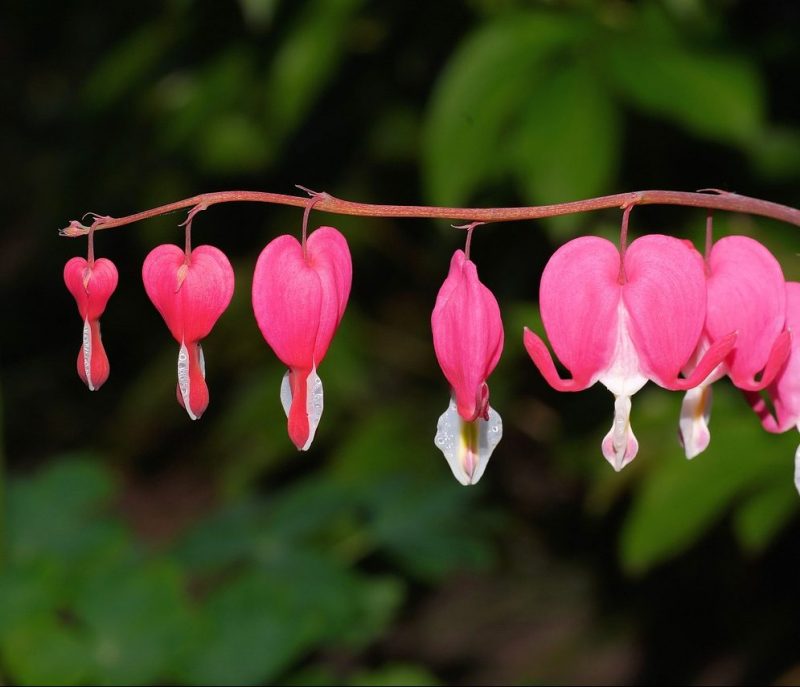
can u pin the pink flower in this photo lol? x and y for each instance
(299, 298)
(190, 290)
(91, 284)
(468, 341)
(746, 294)
(624, 320)
(784, 391)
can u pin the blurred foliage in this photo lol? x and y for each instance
(167, 551)
(240, 599)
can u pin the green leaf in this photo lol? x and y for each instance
(569, 141)
(233, 142)
(712, 95)
(760, 518)
(136, 620)
(254, 626)
(678, 501)
(480, 98)
(52, 513)
(126, 65)
(303, 63)
(394, 674)
(430, 529)
(46, 651)
(225, 538)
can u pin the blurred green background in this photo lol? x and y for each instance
(140, 547)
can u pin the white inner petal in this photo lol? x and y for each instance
(797, 466)
(314, 402)
(87, 354)
(202, 360)
(695, 416)
(286, 393)
(183, 379)
(467, 446)
(620, 445)
(624, 376)
(314, 405)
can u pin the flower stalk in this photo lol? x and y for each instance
(324, 202)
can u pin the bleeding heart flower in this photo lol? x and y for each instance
(299, 297)
(621, 320)
(191, 289)
(91, 283)
(784, 391)
(746, 294)
(468, 340)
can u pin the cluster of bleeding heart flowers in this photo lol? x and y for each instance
(621, 315)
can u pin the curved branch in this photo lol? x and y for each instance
(717, 200)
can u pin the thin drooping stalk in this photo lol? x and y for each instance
(324, 202)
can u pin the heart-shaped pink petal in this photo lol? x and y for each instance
(190, 293)
(91, 287)
(746, 294)
(665, 296)
(578, 297)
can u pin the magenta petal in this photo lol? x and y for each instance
(785, 388)
(192, 388)
(715, 354)
(329, 256)
(579, 297)
(665, 296)
(287, 297)
(540, 355)
(467, 336)
(93, 366)
(746, 294)
(190, 295)
(91, 287)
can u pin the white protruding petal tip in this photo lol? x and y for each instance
(797, 467)
(693, 424)
(620, 445)
(87, 354)
(286, 393)
(183, 379)
(314, 405)
(467, 446)
(314, 402)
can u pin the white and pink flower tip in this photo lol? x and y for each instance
(623, 317)
(191, 289)
(91, 282)
(300, 292)
(784, 390)
(468, 341)
(746, 294)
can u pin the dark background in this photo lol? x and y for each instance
(142, 547)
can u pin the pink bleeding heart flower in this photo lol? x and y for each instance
(468, 341)
(784, 391)
(91, 283)
(623, 320)
(299, 297)
(191, 289)
(746, 294)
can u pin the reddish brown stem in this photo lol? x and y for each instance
(327, 203)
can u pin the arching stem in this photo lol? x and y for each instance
(718, 201)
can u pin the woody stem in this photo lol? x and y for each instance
(326, 203)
